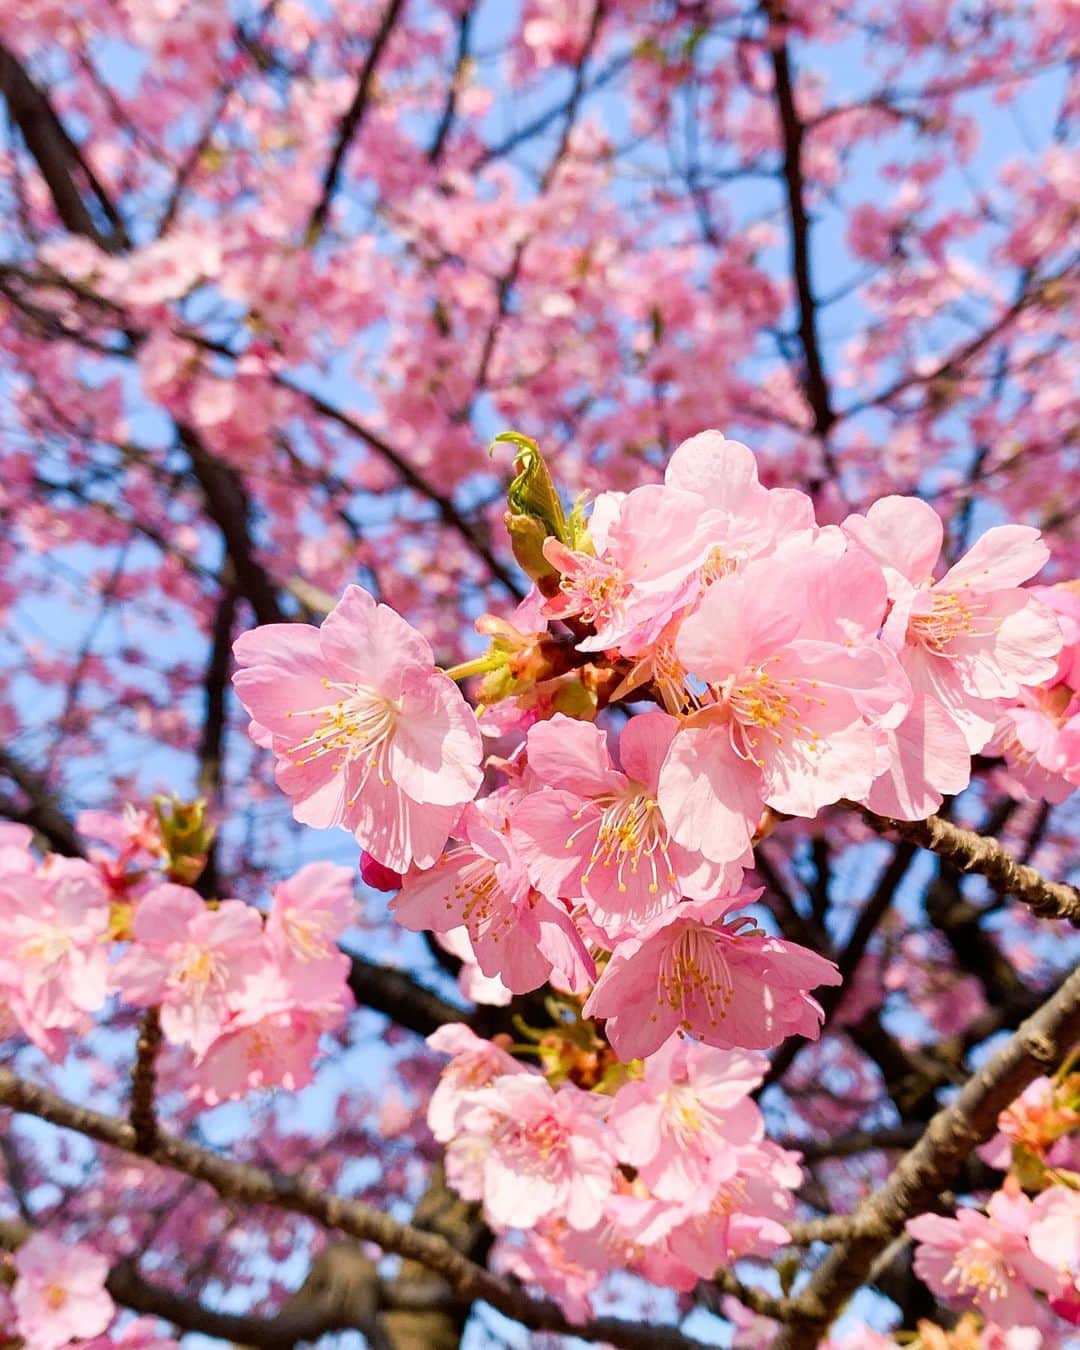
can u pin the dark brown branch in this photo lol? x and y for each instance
(295, 1194)
(56, 155)
(228, 506)
(972, 852)
(41, 810)
(792, 131)
(353, 119)
(399, 997)
(1041, 1043)
(215, 719)
(142, 1112)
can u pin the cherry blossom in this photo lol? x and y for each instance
(366, 733)
(59, 1293)
(599, 834)
(195, 961)
(701, 969)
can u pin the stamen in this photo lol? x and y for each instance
(953, 616)
(631, 828)
(359, 726)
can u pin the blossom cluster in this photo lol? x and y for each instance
(243, 996)
(768, 666)
(665, 1171)
(789, 665)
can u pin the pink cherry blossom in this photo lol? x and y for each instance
(270, 1038)
(780, 723)
(646, 548)
(983, 1260)
(1054, 1237)
(549, 1153)
(59, 1293)
(308, 914)
(516, 933)
(749, 519)
(682, 1126)
(965, 640)
(54, 963)
(597, 833)
(367, 733)
(699, 969)
(1039, 735)
(192, 960)
(476, 1063)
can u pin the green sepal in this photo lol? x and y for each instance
(534, 511)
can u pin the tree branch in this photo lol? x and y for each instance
(972, 852)
(42, 811)
(352, 120)
(1040, 1044)
(56, 155)
(253, 1185)
(814, 382)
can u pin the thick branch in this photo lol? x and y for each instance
(399, 997)
(1040, 1044)
(255, 1186)
(972, 852)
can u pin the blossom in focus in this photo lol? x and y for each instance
(475, 1064)
(699, 969)
(481, 884)
(367, 733)
(984, 1260)
(646, 546)
(549, 1152)
(59, 1293)
(780, 721)
(597, 833)
(965, 641)
(682, 1125)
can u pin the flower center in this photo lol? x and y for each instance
(543, 1137)
(772, 708)
(687, 1115)
(980, 1270)
(359, 726)
(597, 591)
(307, 935)
(55, 1296)
(480, 897)
(48, 946)
(694, 975)
(631, 828)
(197, 968)
(952, 616)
